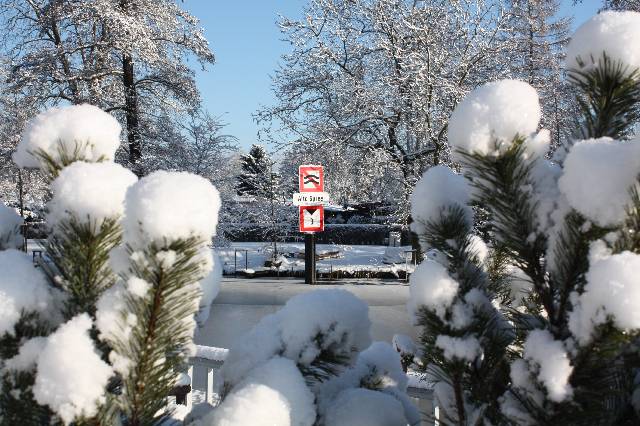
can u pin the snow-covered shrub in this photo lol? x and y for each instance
(540, 325)
(315, 347)
(99, 335)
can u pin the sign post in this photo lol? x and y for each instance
(310, 258)
(311, 200)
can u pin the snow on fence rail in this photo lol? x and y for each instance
(212, 359)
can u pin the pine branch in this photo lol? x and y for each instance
(52, 166)
(159, 342)
(17, 404)
(609, 98)
(505, 186)
(80, 252)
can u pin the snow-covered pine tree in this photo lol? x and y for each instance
(256, 178)
(132, 304)
(563, 238)
(260, 181)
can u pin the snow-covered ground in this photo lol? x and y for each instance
(245, 255)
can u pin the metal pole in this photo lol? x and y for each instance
(309, 258)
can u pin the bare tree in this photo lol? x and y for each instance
(383, 75)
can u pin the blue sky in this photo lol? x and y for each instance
(247, 44)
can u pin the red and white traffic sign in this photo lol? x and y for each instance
(311, 218)
(311, 178)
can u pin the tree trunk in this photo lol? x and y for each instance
(131, 108)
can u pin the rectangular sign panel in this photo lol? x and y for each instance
(311, 178)
(311, 218)
(310, 198)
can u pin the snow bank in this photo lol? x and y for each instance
(551, 362)
(616, 33)
(602, 169)
(612, 292)
(71, 377)
(168, 206)
(438, 189)
(89, 191)
(458, 348)
(431, 286)
(323, 320)
(364, 407)
(93, 133)
(489, 118)
(22, 288)
(10, 222)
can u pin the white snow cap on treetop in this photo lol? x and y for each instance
(489, 118)
(616, 33)
(612, 293)
(92, 191)
(71, 377)
(22, 288)
(86, 128)
(597, 177)
(364, 407)
(167, 206)
(10, 222)
(431, 286)
(438, 188)
(551, 363)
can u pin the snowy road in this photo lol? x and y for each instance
(243, 302)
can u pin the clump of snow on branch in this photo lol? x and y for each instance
(71, 377)
(478, 248)
(168, 206)
(432, 287)
(27, 355)
(438, 189)
(491, 116)
(459, 348)
(616, 33)
(339, 317)
(280, 375)
(254, 404)
(10, 222)
(598, 174)
(115, 322)
(364, 407)
(84, 132)
(89, 191)
(612, 293)
(550, 362)
(23, 288)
